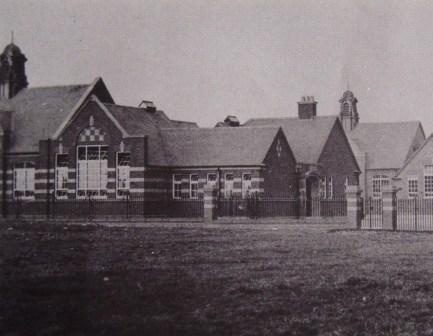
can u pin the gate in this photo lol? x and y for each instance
(415, 214)
(372, 214)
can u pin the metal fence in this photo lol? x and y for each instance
(128, 207)
(372, 214)
(256, 206)
(415, 214)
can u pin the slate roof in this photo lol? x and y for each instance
(38, 112)
(387, 144)
(225, 146)
(138, 122)
(306, 137)
(414, 155)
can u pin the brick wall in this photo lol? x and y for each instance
(279, 175)
(337, 160)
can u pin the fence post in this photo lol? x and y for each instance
(353, 195)
(389, 208)
(209, 203)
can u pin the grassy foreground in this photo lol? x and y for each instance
(230, 280)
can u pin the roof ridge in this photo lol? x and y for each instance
(389, 122)
(55, 86)
(120, 105)
(218, 129)
(295, 118)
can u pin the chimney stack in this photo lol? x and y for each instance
(307, 107)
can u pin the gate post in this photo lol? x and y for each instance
(209, 203)
(389, 208)
(353, 195)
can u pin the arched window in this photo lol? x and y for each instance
(92, 162)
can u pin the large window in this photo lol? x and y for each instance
(378, 182)
(229, 185)
(92, 171)
(122, 174)
(177, 186)
(412, 186)
(62, 171)
(246, 184)
(428, 181)
(193, 185)
(24, 180)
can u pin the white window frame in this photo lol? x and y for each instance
(175, 184)
(323, 186)
(428, 174)
(28, 185)
(123, 191)
(330, 187)
(62, 172)
(246, 186)
(193, 186)
(412, 188)
(99, 192)
(212, 183)
(228, 192)
(379, 181)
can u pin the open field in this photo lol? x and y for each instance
(227, 280)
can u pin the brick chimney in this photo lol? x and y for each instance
(307, 108)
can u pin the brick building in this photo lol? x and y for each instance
(325, 161)
(381, 148)
(74, 142)
(415, 178)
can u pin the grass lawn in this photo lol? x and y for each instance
(227, 280)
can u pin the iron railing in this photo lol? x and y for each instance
(128, 207)
(415, 214)
(372, 214)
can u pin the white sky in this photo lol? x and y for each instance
(202, 60)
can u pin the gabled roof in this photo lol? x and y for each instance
(414, 154)
(137, 121)
(39, 111)
(225, 146)
(387, 144)
(307, 137)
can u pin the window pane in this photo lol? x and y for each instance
(81, 153)
(62, 160)
(92, 153)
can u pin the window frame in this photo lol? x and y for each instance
(176, 183)
(90, 192)
(245, 192)
(428, 194)
(226, 193)
(122, 193)
(28, 193)
(330, 188)
(414, 192)
(64, 191)
(212, 183)
(381, 180)
(195, 183)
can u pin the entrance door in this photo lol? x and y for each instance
(312, 193)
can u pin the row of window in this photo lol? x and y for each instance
(92, 174)
(379, 181)
(190, 184)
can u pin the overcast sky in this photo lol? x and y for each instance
(203, 60)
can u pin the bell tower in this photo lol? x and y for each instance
(12, 71)
(349, 116)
